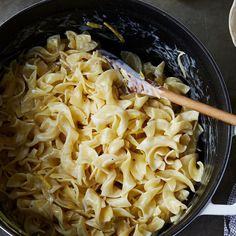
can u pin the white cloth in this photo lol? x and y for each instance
(230, 221)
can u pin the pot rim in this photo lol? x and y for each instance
(208, 193)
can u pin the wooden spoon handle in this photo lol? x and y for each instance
(136, 85)
(198, 106)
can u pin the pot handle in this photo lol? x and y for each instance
(218, 209)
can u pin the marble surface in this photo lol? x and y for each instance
(208, 20)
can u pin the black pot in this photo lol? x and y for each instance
(154, 36)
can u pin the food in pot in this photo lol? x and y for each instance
(79, 158)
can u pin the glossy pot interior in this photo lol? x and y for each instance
(154, 36)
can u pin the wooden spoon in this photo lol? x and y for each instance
(135, 84)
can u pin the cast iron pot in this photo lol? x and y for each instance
(154, 36)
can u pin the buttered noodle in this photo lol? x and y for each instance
(78, 158)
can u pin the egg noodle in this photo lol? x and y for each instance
(79, 158)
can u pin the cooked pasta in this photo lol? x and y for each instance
(79, 158)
